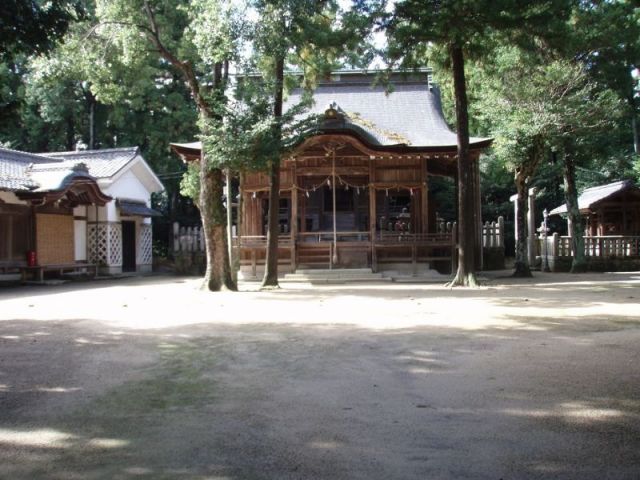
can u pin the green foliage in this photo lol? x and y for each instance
(475, 25)
(190, 183)
(522, 99)
(34, 26)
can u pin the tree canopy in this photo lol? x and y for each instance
(547, 80)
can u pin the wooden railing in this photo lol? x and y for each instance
(319, 237)
(386, 238)
(597, 246)
(260, 241)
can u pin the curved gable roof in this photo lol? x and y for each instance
(410, 115)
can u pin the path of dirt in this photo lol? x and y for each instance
(152, 378)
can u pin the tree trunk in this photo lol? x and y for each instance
(270, 279)
(214, 220)
(92, 125)
(466, 275)
(91, 112)
(71, 134)
(579, 263)
(212, 211)
(634, 129)
(522, 268)
(218, 275)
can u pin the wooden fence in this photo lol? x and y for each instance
(597, 247)
(187, 239)
(493, 234)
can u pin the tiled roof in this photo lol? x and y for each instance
(593, 195)
(101, 163)
(411, 114)
(21, 171)
(136, 208)
(14, 166)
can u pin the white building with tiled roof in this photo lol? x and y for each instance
(86, 206)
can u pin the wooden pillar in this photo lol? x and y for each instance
(424, 197)
(303, 213)
(372, 214)
(294, 216)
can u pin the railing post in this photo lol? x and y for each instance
(454, 246)
(554, 245)
(331, 256)
(176, 237)
(601, 247)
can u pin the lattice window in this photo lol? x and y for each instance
(97, 243)
(115, 244)
(144, 245)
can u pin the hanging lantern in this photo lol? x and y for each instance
(307, 193)
(254, 195)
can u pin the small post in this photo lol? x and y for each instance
(176, 236)
(545, 230)
(531, 226)
(500, 231)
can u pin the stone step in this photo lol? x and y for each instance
(337, 280)
(338, 275)
(333, 271)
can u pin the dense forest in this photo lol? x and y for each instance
(556, 84)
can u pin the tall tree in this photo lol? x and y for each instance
(304, 35)
(198, 39)
(463, 29)
(536, 102)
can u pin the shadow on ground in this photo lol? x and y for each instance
(81, 400)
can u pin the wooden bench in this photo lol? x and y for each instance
(61, 268)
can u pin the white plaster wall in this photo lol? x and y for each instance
(10, 197)
(80, 233)
(80, 240)
(80, 211)
(102, 213)
(126, 186)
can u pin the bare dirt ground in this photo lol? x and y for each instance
(151, 378)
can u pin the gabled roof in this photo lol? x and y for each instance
(409, 118)
(411, 114)
(28, 172)
(101, 163)
(593, 195)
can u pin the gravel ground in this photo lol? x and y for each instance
(150, 378)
